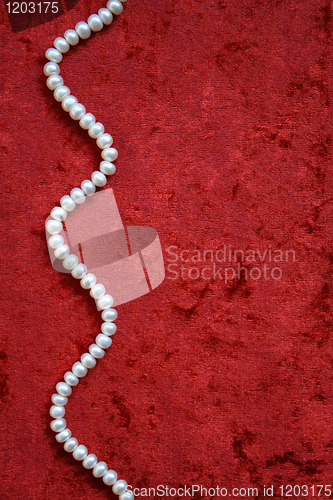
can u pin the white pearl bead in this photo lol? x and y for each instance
(79, 370)
(63, 436)
(88, 360)
(115, 6)
(97, 291)
(63, 389)
(61, 92)
(54, 81)
(104, 141)
(72, 37)
(77, 196)
(55, 241)
(100, 469)
(106, 16)
(58, 425)
(110, 477)
(70, 262)
(104, 302)
(98, 178)
(119, 487)
(96, 130)
(53, 226)
(58, 213)
(107, 168)
(88, 281)
(67, 203)
(62, 252)
(95, 22)
(59, 400)
(57, 411)
(109, 154)
(80, 452)
(71, 379)
(83, 30)
(103, 341)
(109, 328)
(87, 121)
(128, 495)
(53, 55)
(68, 102)
(51, 68)
(77, 111)
(90, 461)
(61, 44)
(109, 315)
(79, 271)
(70, 445)
(88, 187)
(96, 351)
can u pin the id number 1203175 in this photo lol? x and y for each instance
(32, 7)
(316, 490)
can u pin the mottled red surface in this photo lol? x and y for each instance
(221, 113)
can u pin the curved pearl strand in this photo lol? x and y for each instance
(54, 226)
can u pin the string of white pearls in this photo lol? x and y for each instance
(54, 226)
(62, 94)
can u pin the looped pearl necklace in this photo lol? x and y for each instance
(54, 226)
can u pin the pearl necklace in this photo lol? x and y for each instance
(54, 226)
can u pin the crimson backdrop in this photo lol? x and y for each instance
(221, 114)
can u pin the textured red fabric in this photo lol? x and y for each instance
(221, 113)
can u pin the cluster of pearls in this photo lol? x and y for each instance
(54, 226)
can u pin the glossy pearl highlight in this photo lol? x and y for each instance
(98, 178)
(119, 487)
(115, 7)
(88, 187)
(80, 452)
(61, 44)
(109, 154)
(103, 341)
(53, 55)
(71, 379)
(109, 328)
(105, 15)
(72, 37)
(87, 121)
(83, 30)
(53, 226)
(90, 461)
(70, 262)
(70, 445)
(67, 203)
(95, 22)
(68, 102)
(110, 477)
(55, 241)
(109, 315)
(107, 168)
(79, 370)
(79, 271)
(77, 111)
(51, 68)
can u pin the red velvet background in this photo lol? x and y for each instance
(221, 113)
